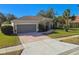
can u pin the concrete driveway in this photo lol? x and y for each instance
(32, 37)
(39, 44)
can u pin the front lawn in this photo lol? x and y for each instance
(72, 40)
(61, 33)
(7, 41)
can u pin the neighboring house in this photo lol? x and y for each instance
(28, 24)
(75, 22)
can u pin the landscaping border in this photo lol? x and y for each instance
(15, 50)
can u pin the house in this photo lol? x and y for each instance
(75, 22)
(27, 24)
(0, 21)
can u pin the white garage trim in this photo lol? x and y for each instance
(37, 28)
(26, 23)
(15, 28)
(15, 31)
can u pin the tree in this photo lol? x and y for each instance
(66, 17)
(10, 17)
(55, 22)
(73, 17)
(60, 22)
(2, 18)
(50, 13)
(42, 13)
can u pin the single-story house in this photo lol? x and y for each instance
(27, 24)
(0, 22)
(75, 22)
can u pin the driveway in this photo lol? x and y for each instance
(32, 37)
(39, 44)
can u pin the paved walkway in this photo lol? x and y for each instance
(69, 37)
(38, 44)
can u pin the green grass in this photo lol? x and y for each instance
(61, 33)
(72, 40)
(7, 41)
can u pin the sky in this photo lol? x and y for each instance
(20, 10)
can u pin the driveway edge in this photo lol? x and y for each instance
(15, 50)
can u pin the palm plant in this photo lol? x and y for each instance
(66, 16)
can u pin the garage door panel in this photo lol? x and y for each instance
(26, 28)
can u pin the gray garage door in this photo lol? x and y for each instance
(25, 28)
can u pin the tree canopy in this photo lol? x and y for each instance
(50, 13)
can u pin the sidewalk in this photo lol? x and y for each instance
(69, 37)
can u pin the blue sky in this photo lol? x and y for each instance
(32, 9)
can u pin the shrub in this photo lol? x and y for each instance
(7, 30)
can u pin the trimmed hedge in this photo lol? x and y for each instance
(7, 30)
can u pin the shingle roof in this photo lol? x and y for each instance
(30, 19)
(76, 19)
